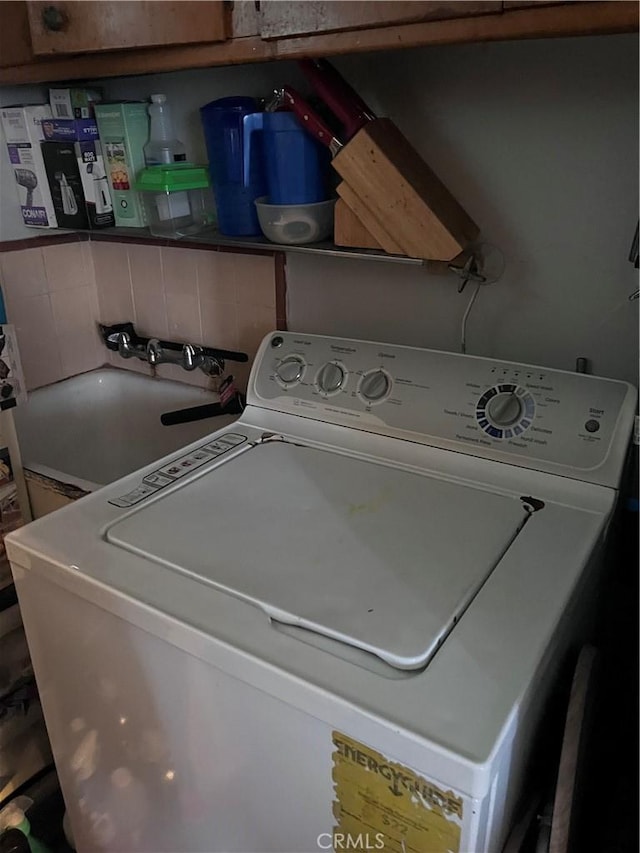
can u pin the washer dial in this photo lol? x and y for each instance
(505, 411)
(375, 386)
(290, 370)
(331, 378)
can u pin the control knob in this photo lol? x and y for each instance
(375, 386)
(290, 370)
(505, 409)
(330, 377)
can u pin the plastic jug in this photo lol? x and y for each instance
(162, 147)
(295, 164)
(235, 163)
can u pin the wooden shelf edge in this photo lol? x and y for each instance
(570, 19)
(213, 242)
(50, 237)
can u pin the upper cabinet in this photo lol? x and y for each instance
(42, 42)
(283, 20)
(15, 38)
(72, 27)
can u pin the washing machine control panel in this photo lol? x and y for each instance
(497, 409)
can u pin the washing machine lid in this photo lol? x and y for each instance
(384, 559)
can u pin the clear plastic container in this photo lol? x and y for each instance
(295, 224)
(177, 199)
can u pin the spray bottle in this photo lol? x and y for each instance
(162, 147)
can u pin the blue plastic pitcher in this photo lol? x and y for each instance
(235, 163)
(295, 165)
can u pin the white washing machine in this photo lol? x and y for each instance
(336, 623)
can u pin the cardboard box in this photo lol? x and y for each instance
(69, 130)
(65, 184)
(22, 126)
(82, 135)
(73, 103)
(124, 130)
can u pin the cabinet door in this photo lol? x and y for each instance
(15, 40)
(307, 17)
(87, 27)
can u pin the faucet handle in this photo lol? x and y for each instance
(191, 356)
(154, 351)
(124, 345)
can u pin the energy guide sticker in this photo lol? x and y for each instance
(374, 795)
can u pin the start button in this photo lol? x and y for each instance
(592, 426)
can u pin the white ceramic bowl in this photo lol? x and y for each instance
(295, 224)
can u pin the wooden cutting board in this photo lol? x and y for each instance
(398, 198)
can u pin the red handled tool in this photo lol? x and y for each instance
(310, 119)
(338, 95)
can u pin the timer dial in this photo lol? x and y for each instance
(504, 409)
(290, 370)
(331, 377)
(375, 386)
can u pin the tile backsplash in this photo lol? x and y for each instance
(51, 298)
(217, 299)
(56, 294)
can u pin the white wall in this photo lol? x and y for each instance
(11, 227)
(539, 141)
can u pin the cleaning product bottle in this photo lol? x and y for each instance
(13, 816)
(162, 147)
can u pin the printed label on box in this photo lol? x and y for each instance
(23, 132)
(124, 130)
(63, 130)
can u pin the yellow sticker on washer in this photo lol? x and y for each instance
(382, 805)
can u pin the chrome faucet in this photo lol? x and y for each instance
(126, 348)
(190, 357)
(154, 352)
